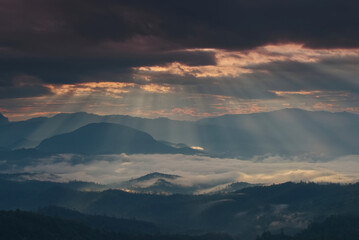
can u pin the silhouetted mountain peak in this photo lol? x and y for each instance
(155, 175)
(155, 183)
(3, 119)
(287, 131)
(105, 138)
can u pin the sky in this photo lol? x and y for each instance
(178, 59)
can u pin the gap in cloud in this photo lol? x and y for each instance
(262, 79)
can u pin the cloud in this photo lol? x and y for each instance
(259, 73)
(196, 169)
(77, 68)
(23, 86)
(81, 25)
(65, 41)
(244, 50)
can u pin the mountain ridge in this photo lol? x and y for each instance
(106, 138)
(284, 132)
(3, 119)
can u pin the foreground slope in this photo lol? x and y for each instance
(20, 225)
(333, 228)
(120, 225)
(245, 213)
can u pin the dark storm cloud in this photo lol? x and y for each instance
(70, 41)
(212, 23)
(22, 86)
(248, 24)
(23, 92)
(76, 69)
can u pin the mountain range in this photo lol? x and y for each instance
(121, 225)
(243, 213)
(20, 225)
(15, 226)
(160, 183)
(107, 138)
(3, 119)
(285, 132)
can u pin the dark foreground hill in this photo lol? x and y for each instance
(333, 228)
(20, 225)
(107, 138)
(245, 213)
(112, 224)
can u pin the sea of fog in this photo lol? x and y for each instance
(108, 169)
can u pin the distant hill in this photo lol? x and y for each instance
(31, 132)
(160, 183)
(3, 119)
(112, 224)
(288, 131)
(154, 175)
(284, 132)
(237, 186)
(107, 138)
(155, 183)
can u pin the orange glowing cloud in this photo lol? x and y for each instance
(235, 63)
(156, 88)
(113, 89)
(282, 93)
(109, 88)
(245, 108)
(192, 112)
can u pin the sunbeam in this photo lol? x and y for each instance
(178, 120)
